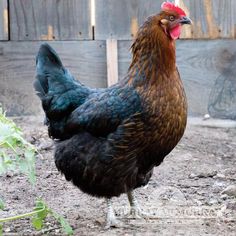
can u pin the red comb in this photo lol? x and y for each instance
(168, 6)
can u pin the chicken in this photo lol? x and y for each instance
(107, 141)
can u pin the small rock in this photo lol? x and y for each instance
(15, 197)
(230, 190)
(231, 206)
(220, 176)
(48, 175)
(7, 230)
(212, 202)
(203, 175)
(218, 185)
(208, 174)
(207, 224)
(224, 196)
(9, 175)
(193, 176)
(206, 117)
(45, 145)
(99, 221)
(32, 140)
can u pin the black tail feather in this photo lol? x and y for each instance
(41, 86)
(59, 92)
(47, 62)
(46, 51)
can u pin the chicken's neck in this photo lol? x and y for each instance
(153, 54)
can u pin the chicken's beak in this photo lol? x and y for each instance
(185, 20)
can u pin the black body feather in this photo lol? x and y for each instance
(96, 150)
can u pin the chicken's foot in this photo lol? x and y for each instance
(135, 210)
(111, 218)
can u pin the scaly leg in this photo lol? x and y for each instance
(111, 218)
(135, 210)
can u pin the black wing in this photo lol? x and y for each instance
(102, 114)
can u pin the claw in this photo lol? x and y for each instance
(135, 210)
(111, 218)
(113, 223)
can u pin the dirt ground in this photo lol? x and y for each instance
(191, 193)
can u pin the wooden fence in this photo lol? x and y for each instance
(99, 55)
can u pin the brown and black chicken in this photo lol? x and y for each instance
(109, 140)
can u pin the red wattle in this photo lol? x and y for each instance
(175, 32)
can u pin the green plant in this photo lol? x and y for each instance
(38, 218)
(17, 155)
(39, 214)
(1, 204)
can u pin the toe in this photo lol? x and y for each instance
(113, 224)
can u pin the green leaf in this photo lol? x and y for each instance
(37, 223)
(1, 231)
(23, 166)
(3, 167)
(39, 205)
(8, 160)
(40, 216)
(1, 204)
(63, 222)
(30, 155)
(32, 177)
(16, 154)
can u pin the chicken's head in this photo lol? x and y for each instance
(172, 18)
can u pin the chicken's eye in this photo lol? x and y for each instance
(171, 18)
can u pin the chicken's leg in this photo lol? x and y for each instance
(111, 218)
(135, 210)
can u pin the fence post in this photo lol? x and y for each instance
(4, 20)
(112, 61)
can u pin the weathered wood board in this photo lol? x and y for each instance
(204, 66)
(208, 70)
(212, 19)
(3, 20)
(121, 19)
(86, 60)
(50, 20)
